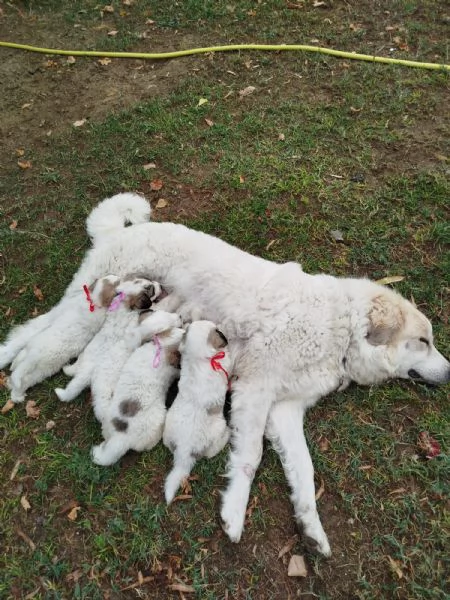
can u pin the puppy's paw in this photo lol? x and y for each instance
(70, 369)
(232, 521)
(170, 487)
(17, 396)
(61, 393)
(100, 456)
(316, 540)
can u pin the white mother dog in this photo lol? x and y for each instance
(294, 338)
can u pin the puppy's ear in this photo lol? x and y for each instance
(174, 358)
(385, 321)
(107, 293)
(217, 339)
(92, 286)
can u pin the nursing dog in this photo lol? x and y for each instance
(293, 338)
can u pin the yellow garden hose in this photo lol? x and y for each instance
(233, 48)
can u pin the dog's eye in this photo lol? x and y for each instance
(424, 341)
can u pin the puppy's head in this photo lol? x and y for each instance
(104, 290)
(167, 326)
(203, 340)
(139, 293)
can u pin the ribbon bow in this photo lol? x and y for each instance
(116, 301)
(88, 298)
(157, 357)
(216, 366)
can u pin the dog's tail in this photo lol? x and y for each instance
(112, 214)
(181, 470)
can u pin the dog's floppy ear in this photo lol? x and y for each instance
(217, 339)
(107, 293)
(385, 320)
(92, 286)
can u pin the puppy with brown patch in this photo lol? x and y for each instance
(136, 414)
(101, 362)
(195, 425)
(65, 337)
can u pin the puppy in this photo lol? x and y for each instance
(195, 425)
(137, 411)
(65, 337)
(100, 364)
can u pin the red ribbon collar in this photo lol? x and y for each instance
(216, 366)
(88, 298)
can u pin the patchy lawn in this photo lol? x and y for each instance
(318, 145)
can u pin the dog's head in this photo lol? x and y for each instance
(203, 340)
(167, 326)
(139, 293)
(398, 343)
(104, 290)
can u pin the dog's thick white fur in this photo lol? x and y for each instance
(100, 363)
(195, 425)
(137, 411)
(293, 338)
(106, 219)
(66, 336)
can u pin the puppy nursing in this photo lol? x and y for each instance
(136, 414)
(100, 363)
(195, 425)
(64, 338)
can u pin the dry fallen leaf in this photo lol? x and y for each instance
(73, 514)
(26, 539)
(241, 179)
(24, 164)
(337, 235)
(320, 492)
(281, 137)
(20, 151)
(297, 567)
(181, 587)
(149, 166)
(288, 546)
(38, 293)
(113, 32)
(429, 446)
(71, 60)
(395, 567)
(27, 105)
(79, 123)
(25, 504)
(15, 469)
(209, 122)
(182, 497)
(390, 279)
(32, 410)
(108, 8)
(9, 405)
(202, 101)
(162, 203)
(50, 425)
(247, 91)
(318, 4)
(104, 61)
(13, 225)
(156, 185)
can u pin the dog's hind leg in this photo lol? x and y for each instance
(183, 464)
(285, 431)
(81, 381)
(20, 336)
(250, 406)
(111, 450)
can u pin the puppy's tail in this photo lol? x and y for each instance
(180, 471)
(115, 213)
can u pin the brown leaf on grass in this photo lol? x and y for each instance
(156, 185)
(181, 587)
(24, 164)
(32, 410)
(108, 8)
(112, 33)
(141, 580)
(9, 405)
(297, 567)
(288, 546)
(395, 566)
(25, 504)
(13, 225)
(318, 4)
(390, 279)
(209, 122)
(71, 60)
(104, 61)
(148, 166)
(79, 123)
(15, 469)
(182, 497)
(27, 105)
(38, 293)
(429, 446)
(241, 179)
(68, 506)
(26, 539)
(324, 444)
(294, 6)
(73, 514)
(20, 152)
(2, 379)
(162, 203)
(320, 492)
(247, 91)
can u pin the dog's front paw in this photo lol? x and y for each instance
(62, 395)
(232, 521)
(316, 540)
(70, 369)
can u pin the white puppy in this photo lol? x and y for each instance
(69, 333)
(137, 411)
(100, 364)
(195, 425)
(105, 220)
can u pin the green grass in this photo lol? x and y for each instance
(364, 151)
